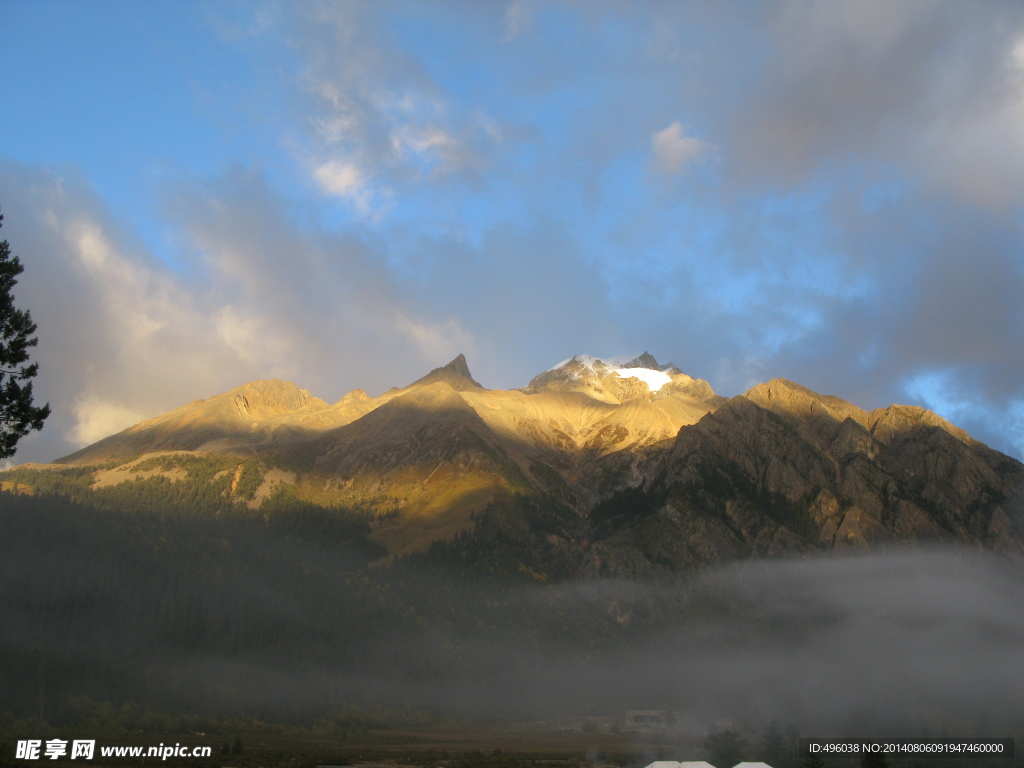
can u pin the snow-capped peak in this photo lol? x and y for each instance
(587, 361)
(643, 367)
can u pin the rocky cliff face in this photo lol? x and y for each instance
(658, 472)
(783, 470)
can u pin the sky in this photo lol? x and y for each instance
(349, 194)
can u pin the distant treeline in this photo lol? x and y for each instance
(173, 594)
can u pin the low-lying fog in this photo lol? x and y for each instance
(210, 618)
(920, 639)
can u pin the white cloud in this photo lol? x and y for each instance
(341, 179)
(435, 151)
(92, 248)
(257, 340)
(1017, 54)
(142, 339)
(423, 140)
(674, 150)
(434, 340)
(96, 418)
(120, 337)
(378, 124)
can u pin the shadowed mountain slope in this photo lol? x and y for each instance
(783, 470)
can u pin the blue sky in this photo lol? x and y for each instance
(348, 194)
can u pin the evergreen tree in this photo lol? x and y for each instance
(17, 414)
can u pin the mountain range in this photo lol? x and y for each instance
(607, 467)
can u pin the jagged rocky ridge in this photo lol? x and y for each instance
(782, 470)
(645, 470)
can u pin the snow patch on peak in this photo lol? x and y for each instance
(643, 367)
(654, 380)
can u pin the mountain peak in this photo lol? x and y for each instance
(646, 360)
(603, 365)
(606, 379)
(458, 366)
(455, 374)
(784, 396)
